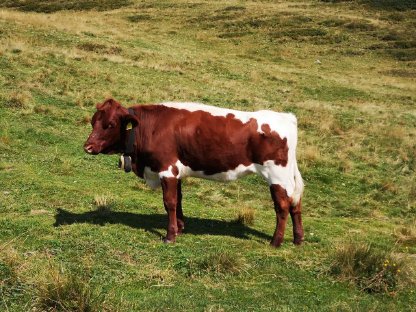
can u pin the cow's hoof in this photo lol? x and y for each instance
(298, 238)
(167, 241)
(181, 227)
(275, 245)
(298, 241)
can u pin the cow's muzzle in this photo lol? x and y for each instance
(89, 148)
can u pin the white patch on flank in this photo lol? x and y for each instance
(230, 175)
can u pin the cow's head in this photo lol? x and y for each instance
(109, 128)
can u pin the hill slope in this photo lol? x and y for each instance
(75, 233)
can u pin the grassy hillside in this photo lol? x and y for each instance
(76, 234)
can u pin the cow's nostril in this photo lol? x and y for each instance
(88, 149)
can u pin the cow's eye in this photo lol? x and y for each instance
(110, 126)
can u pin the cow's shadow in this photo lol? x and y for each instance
(156, 223)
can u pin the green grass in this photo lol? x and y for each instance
(76, 234)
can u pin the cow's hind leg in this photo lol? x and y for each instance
(295, 214)
(281, 206)
(170, 199)
(179, 214)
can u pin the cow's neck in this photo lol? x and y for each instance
(144, 136)
(130, 137)
(132, 143)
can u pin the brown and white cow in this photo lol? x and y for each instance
(176, 140)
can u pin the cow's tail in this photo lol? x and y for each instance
(297, 193)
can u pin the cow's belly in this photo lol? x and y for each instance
(272, 173)
(229, 175)
(181, 171)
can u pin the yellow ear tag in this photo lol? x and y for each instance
(129, 126)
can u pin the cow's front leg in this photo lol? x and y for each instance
(179, 213)
(170, 200)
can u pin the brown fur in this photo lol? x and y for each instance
(203, 142)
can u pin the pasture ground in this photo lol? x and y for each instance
(76, 234)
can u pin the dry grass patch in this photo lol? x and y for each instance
(15, 45)
(397, 133)
(412, 192)
(85, 120)
(83, 23)
(5, 166)
(10, 267)
(155, 277)
(370, 269)
(245, 216)
(406, 235)
(4, 142)
(310, 154)
(345, 164)
(49, 286)
(19, 100)
(104, 203)
(43, 109)
(219, 263)
(99, 48)
(37, 212)
(65, 292)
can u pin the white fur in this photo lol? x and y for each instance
(284, 124)
(277, 121)
(297, 193)
(230, 175)
(152, 178)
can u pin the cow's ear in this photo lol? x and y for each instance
(108, 102)
(130, 121)
(99, 106)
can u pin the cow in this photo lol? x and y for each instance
(167, 142)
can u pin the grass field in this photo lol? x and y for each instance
(76, 234)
